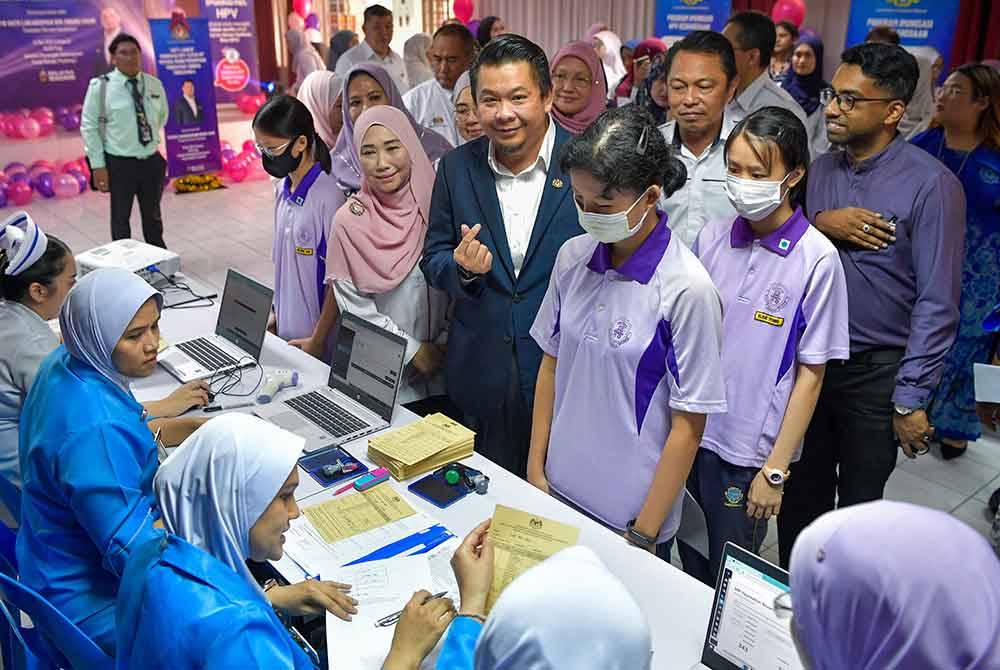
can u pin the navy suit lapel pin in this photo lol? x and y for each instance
(557, 183)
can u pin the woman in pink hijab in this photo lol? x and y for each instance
(378, 239)
(579, 87)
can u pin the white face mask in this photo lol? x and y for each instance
(754, 199)
(610, 228)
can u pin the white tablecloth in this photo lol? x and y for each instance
(677, 606)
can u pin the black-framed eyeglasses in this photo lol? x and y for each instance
(846, 101)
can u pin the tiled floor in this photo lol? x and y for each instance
(233, 227)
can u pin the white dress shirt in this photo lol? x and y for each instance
(414, 311)
(193, 104)
(393, 63)
(430, 104)
(703, 198)
(520, 195)
(764, 92)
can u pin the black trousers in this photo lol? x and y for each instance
(850, 447)
(505, 437)
(129, 178)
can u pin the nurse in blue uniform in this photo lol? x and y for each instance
(187, 599)
(87, 453)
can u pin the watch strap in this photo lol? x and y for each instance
(637, 537)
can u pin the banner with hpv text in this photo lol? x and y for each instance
(233, 31)
(677, 18)
(50, 49)
(918, 22)
(184, 65)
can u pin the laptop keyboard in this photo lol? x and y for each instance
(326, 414)
(207, 354)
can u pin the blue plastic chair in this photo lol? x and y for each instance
(65, 645)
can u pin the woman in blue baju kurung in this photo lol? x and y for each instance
(968, 142)
(87, 454)
(187, 599)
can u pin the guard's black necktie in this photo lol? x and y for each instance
(145, 131)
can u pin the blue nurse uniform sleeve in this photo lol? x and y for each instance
(459, 649)
(103, 486)
(252, 644)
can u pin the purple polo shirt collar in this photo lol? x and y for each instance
(302, 190)
(780, 241)
(643, 262)
(872, 162)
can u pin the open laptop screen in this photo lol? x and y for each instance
(744, 632)
(246, 304)
(367, 363)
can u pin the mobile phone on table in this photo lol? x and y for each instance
(373, 478)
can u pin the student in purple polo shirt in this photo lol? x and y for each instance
(306, 200)
(631, 327)
(896, 215)
(784, 306)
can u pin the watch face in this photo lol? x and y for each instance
(775, 478)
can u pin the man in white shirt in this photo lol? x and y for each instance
(701, 80)
(377, 27)
(430, 103)
(501, 209)
(753, 36)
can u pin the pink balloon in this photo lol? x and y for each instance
(45, 125)
(66, 186)
(20, 193)
(237, 170)
(28, 128)
(793, 11)
(225, 145)
(463, 10)
(24, 111)
(40, 112)
(9, 126)
(302, 7)
(249, 146)
(70, 165)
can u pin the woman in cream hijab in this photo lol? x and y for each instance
(187, 598)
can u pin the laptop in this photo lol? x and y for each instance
(360, 395)
(239, 333)
(743, 632)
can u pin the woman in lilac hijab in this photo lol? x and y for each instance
(378, 89)
(893, 586)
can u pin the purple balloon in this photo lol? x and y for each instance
(3, 198)
(228, 155)
(44, 185)
(13, 168)
(81, 179)
(312, 21)
(20, 176)
(60, 111)
(71, 121)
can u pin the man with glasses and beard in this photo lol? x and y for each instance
(896, 215)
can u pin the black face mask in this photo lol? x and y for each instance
(282, 165)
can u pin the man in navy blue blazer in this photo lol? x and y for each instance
(500, 211)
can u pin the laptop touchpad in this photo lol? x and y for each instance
(291, 421)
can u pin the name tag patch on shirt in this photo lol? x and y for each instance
(303, 251)
(769, 319)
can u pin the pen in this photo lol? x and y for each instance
(343, 488)
(221, 408)
(393, 619)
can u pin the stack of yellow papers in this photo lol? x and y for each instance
(421, 446)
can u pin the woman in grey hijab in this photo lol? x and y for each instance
(339, 44)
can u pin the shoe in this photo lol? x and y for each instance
(949, 452)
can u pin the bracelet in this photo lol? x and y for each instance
(466, 275)
(479, 617)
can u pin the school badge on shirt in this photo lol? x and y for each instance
(620, 333)
(775, 299)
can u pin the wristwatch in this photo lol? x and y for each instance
(776, 477)
(638, 538)
(466, 275)
(905, 411)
